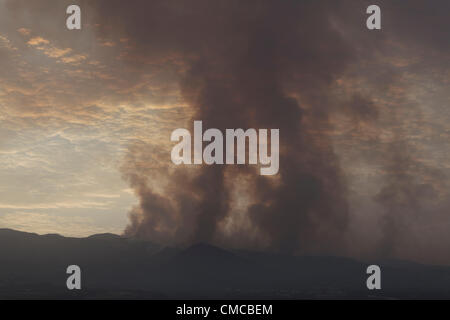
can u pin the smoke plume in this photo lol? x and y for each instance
(270, 64)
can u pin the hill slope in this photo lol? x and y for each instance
(34, 266)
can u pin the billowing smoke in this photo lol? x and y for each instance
(267, 64)
(246, 65)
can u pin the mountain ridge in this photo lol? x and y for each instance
(113, 266)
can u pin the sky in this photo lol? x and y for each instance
(69, 110)
(86, 117)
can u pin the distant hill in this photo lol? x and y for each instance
(34, 267)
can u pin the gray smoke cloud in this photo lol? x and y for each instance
(266, 64)
(244, 62)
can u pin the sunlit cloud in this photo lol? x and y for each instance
(36, 41)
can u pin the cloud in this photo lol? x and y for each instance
(24, 31)
(36, 41)
(60, 205)
(74, 59)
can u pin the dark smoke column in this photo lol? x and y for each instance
(244, 66)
